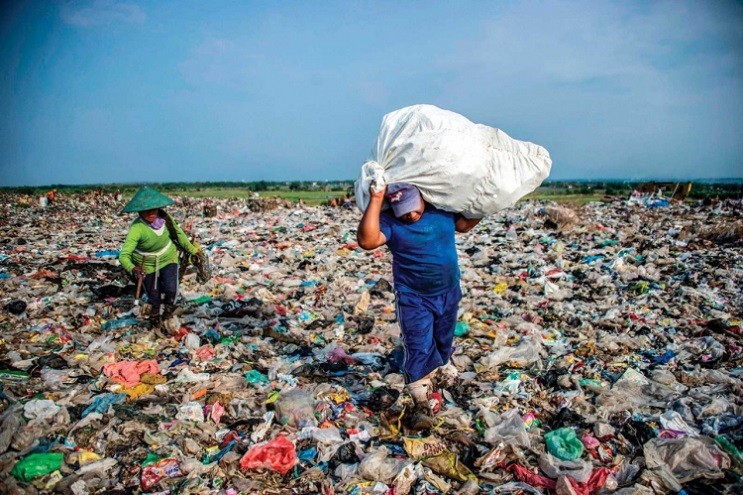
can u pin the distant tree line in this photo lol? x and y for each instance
(255, 186)
(701, 189)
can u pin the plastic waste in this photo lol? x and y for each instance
(40, 409)
(16, 307)
(448, 464)
(421, 448)
(554, 467)
(153, 473)
(296, 408)
(122, 323)
(101, 403)
(687, 458)
(192, 341)
(509, 428)
(278, 455)
(461, 329)
(129, 373)
(256, 377)
(107, 253)
(377, 466)
(10, 424)
(564, 444)
(191, 411)
(35, 465)
(647, 348)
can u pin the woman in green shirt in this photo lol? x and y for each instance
(150, 252)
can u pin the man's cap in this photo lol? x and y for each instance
(403, 198)
(146, 199)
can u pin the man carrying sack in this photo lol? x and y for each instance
(425, 270)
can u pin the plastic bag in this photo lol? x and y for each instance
(457, 165)
(509, 428)
(564, 444)
(378, 467)
(448, 464)
(421, 448)
(101, 403)
(36, 465)
(520, 356)
(328, 441)
(688, 458)
(671, 420)
(278, 455)
(40, 409)
(515, 487)
(200, 262)
(10, 423)
(554, 468)
(191, 411)
(296, 408)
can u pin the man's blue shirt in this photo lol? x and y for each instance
(424, 255)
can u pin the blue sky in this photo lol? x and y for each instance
(131, 91)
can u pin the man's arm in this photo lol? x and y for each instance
(368, 234)
(463, 224)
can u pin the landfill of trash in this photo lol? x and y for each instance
(599, 350)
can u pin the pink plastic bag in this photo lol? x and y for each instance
(278, 455)
(128, 373)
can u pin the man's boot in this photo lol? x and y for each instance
(154, 320)
(169, 311)
(156, 324)
(420, 417)
(170, 320)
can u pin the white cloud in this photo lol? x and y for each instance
(101, 12)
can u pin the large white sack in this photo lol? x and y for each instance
(458, 166)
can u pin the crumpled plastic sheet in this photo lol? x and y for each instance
(618, 321)
(687, 458)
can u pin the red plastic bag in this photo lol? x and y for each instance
(594, 483)
(526, 476)
(278, 455)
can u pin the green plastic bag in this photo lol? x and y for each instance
(564, 444)
(461, 329)
(256, 377)
(729, 448)
(201, 300)
(36, 465)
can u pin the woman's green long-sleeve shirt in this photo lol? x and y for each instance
(142, 239)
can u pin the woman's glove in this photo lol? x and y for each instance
(137, 272)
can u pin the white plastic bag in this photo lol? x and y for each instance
(509, 428)
(458, 166)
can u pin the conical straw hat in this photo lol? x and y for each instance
(146, 199)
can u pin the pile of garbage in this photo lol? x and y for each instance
(598, 348)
